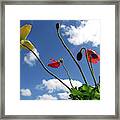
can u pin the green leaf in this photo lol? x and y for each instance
(84, 88)
(98, 88)
(75, 92)
(26, 43)
(90, 89)
(85, 92)
(74, 97)
(25, 31)
(95, 95)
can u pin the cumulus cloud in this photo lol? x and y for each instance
(46, 97)
(26, 92)
(63, 26)
(30, 57)
(87, 31)
(53, 86)
(63, 96)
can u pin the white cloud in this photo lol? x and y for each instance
(62, 26)
(63, 96)
(30, 57)
(25, 92)
(53, 86)
(46, 97)
(87, 32)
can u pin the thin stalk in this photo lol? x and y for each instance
(99, 80)
(40, 61)
(93, 73)
(90, 66)
(67, 72)
(80, 69)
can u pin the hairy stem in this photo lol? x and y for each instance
(90, 66)
(68, 74)
(40, 61)
(63, 43)
(92, 72)
(99, 80)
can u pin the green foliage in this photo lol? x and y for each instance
(85, 92)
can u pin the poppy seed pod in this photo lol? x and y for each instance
(79, 56)
(57, 26)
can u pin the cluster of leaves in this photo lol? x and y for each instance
(85, 92)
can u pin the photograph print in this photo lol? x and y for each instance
(60, 59)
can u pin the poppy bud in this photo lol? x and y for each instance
(57, 26)
(61, 60)
(79, 56)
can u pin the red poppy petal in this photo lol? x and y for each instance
(54, 65)
(98, 57)
(52, 60)
(92, 56)
(94, 61)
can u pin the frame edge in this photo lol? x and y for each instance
(2, 55)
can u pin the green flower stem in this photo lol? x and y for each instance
(40, 61)
(62, 41)
(99, 80)
(92, 72)
(90, 67)
(68, 74)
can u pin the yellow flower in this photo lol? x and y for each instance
(24, 32)
(26, 43)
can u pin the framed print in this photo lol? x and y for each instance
(60, 60)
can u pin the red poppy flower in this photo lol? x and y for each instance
(92, 56)
(54, 63)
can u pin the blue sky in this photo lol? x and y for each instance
(35, 82)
